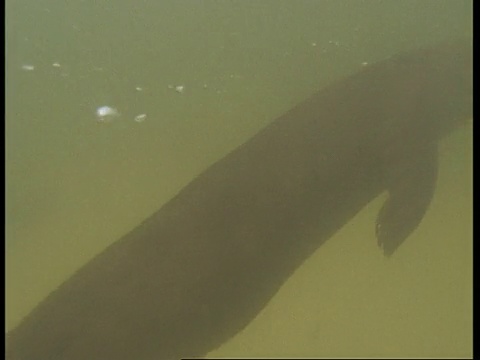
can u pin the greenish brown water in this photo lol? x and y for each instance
(74, 184)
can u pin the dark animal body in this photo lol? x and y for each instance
(203, 266)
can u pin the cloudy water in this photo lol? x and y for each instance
(113, 106)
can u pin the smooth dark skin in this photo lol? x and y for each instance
(203, 266)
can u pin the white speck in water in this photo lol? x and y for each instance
(364, 63)
(314, 44)
(139, 88)
(56, 64)
(180, 89)
(28, 67)
(140, 118)
(106, 113)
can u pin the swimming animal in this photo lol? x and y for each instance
(200, 269)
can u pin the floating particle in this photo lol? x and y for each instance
(180, 89)
(28, 67)
(56, 64)
(140, 118)
(138, 88)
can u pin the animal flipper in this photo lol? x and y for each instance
(411, 186)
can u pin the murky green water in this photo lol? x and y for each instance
(75, 184)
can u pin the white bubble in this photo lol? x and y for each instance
(107, 113)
